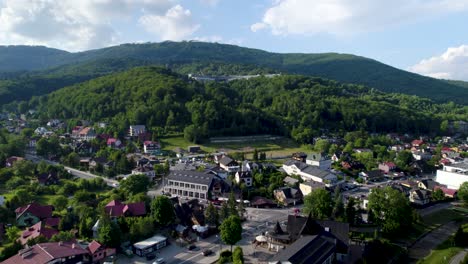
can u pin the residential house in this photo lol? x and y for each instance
(42, 228)
(420, 197)
(53, 123)
(244, 177)
(136, 130)
(288, 196)
(151, 147)
(290, 181)
(83, 133)
(228, 164)
(299, 156)
(309, 186)
(193, 184)
(321, 160)
(262, 202)
(251, 166)
(99, 252)
(114, 143)
(422, 155)
(115, 208)
(147, 170)
(417, 143)
(419, 167)
(370, 176)
(387, 167)
(32, 213)
(9, 162)
(41, 131)
(450, 193)
(47, 253)
(49, 178)
(453, 175)
(427, 184)
(352, 165)
(309, 172)
(189, 213)
(300, 245)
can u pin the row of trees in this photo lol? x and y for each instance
(387, 208)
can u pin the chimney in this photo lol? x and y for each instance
(327, 229)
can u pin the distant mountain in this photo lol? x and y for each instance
(186, 56)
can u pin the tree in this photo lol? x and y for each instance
(438, 195)
(63, 236)
(350, 211)
(13, 233)
(463, 192)
(322, 145)
(391, 210)
(318, 203)
(224, 211)
(135, 184)
(238, 256)
(231, 230)
(162, 210)
(211, 215)
(232, 205)
(109, 232)
(60, 202)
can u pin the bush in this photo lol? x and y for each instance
(225, 257)
(238, 256)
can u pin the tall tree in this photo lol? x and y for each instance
(224, 211)
(463, 192)
(318, 203)
(350, 211)
(162, 210)
(211, 215)
(231, 230)
(135, 184)
(232, 205)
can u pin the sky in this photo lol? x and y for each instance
(428, 37)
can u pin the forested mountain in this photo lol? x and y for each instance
(290, 105)
(212, 58)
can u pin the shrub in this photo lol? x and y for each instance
(225, 257)
(238, 256)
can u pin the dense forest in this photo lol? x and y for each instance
(212, 58)
(290, 105)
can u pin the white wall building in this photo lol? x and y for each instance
(309, 172)
(320, 160)
(453, 175)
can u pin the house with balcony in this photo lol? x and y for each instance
(151, 147)
(136, 130)
(228, 164)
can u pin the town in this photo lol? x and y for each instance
(79, 193)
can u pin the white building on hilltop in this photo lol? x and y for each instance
(453, 175)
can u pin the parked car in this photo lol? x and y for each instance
(207, 252)
(150, 257)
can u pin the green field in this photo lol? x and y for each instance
(442, 254)
(273, 148)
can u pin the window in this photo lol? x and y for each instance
(187, 185)
(192, 186)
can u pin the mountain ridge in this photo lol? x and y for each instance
(345, 68)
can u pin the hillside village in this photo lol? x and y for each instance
(74, 192)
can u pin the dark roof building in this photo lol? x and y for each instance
(56, 252)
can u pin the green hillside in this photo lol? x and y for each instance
(289, 105)
(197, 56)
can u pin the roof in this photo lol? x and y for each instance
(317, 156)
(261, 201)
(39, 229)
(191, 177)
(93, 246)
(389, 164)
(138, 127)
(315, 171)
(226, 160)
(35, 209)
(300, 165)
(244, 174)
(54, 221)
(149, 242)
(290, 180)
(46, 252)
(116, 208)
(307, 249)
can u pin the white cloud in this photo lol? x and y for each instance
(210, 2)
(176, 24)
(214, 38)
(342, 17)
(452, 64)
(75, 25)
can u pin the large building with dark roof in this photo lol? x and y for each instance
(193, 184)
(307, 240)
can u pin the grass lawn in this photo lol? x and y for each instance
(272, 148)
(441, 217)
(442, 254)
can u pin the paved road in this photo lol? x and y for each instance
(457, 259)
(434, 208)
(87, 175)
(423, 247)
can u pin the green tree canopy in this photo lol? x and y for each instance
(162, 210)
(231, 230)
(318, 203)
(135, 184)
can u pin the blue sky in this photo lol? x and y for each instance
(429, 37)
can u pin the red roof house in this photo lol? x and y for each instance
(54, 252)
(39, 229)
(417, 143)
(118, 209)
(99, 252)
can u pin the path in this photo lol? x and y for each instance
(457, 259)
(431, 240)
